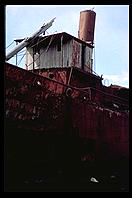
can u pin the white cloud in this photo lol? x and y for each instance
(121, 79)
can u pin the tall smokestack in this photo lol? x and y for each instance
(87, 25)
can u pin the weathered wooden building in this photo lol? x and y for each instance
(59, 50)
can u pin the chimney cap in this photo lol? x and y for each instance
(88, 10)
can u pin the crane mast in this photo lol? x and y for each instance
(27, 40)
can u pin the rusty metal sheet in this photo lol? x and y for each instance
(67, 54)
(88, 67)
(87, 25)
(39, 103)
(76, 54)
(54, 58)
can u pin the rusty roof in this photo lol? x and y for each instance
(57, 36)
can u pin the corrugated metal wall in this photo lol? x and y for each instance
(102, 125)
(69, 55)
(88, 57)
(76, 54)
(55, 58)
(29, 58)
(50, 58)
(37, 62)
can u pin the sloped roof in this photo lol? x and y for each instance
(57, 36)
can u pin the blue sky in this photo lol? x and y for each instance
(111, 52)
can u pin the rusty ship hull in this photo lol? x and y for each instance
(39, 103)
(61, 120)
(62, 125)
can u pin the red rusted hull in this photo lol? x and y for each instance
(38, 103)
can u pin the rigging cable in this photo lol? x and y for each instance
(9, 44)
(21, 58)
(94, 59)
(41, 52)
(21, 51)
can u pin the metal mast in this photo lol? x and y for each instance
(27, 40)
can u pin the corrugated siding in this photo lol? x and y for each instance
(51, 57)
(67, 54)
(103, 125)
(29, 58)
(54, 58)
(87, 58)
(70, 55)
(76, 54)
(37, 62)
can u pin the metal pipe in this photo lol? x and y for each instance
(27, 40)
(16, 49)
(87, 26)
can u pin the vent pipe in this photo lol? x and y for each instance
(86, 26)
